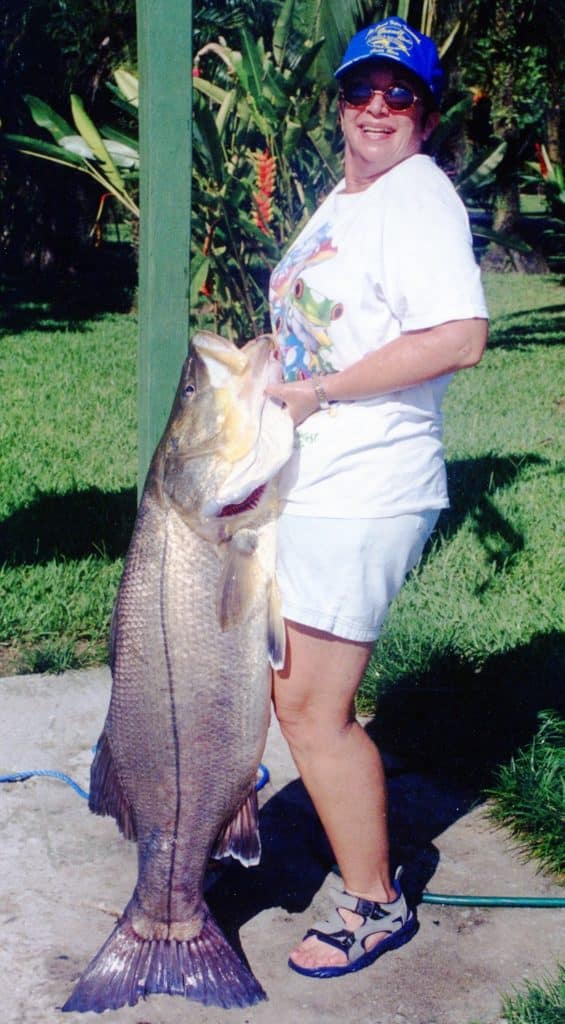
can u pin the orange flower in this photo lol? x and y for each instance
(265, 167)
(544, 170)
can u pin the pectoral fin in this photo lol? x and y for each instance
(276, 629)
(238, 588)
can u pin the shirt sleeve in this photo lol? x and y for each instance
(432, 276)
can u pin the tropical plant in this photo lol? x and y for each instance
(111, 158)
(514, 61)
(263, 156)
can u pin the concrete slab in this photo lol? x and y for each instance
(67, 874)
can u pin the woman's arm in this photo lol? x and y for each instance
(410, 359)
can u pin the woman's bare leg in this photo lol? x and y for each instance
(339, 765)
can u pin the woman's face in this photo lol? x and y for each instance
(377, 138)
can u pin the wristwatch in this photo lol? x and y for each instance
(323, 400)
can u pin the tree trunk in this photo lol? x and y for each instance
(505, 123)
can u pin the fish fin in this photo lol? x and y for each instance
(239, 581)
(106, 792)
(276, 637)
(128, 968)
(239, 837)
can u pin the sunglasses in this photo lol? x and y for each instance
(396, 97)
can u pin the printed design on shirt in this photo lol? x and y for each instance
(301, 315)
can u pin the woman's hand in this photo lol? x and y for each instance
(298, 396)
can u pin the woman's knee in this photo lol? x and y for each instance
(306, 729)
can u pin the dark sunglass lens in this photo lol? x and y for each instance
(399, 97)
(357, 93)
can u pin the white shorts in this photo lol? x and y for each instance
(340, 575)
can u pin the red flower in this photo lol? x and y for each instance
(544, 169)
(265, 166)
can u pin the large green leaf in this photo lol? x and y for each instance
(450, 122)
(109, 132)
(89, 132)
(224, 112)
(47, 150)
(120, 102)
(252, 66)
(128, 85)
(282, 31)
(249, 71)
(199, 267)
(501, 238)
(47, 118)
(209, 89)
(480, 171)
(207, 142)
(299, 73)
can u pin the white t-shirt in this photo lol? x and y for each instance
(369, 265)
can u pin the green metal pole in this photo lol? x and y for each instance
(165, 116)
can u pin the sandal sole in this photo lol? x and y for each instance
(395, 941)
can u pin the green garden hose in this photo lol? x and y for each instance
(493, 901)
(456, 900)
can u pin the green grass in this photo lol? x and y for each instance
(67, 483)
(538, 1004)
(471, 651)
(529, 794)
(473, 640)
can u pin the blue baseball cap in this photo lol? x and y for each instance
(393, 39)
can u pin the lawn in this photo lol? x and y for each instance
(67, 483)
(470, 653)
(472, 650)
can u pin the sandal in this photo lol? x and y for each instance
(394, 918)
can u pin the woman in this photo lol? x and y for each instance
(374, 306)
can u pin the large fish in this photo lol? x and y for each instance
(195, 623)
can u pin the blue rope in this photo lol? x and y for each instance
(262, 778)
(22, 776)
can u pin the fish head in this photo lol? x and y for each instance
(225, 439)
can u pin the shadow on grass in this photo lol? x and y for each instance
(462, 722)
(92, 521)
(472, 483)
(544, 325)
(441, 735)
(73, 525)
(52, 301)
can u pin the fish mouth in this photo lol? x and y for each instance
(250, 503)
(245, 485)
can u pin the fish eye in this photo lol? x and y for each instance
(188, 389)
(299, 288)
(336, 311)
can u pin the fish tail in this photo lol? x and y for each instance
(128, 968)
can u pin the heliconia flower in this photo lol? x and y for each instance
(265, 166)
(544, 169)
(478, 94)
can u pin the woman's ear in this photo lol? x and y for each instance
(430, 124)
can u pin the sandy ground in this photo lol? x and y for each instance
(67, 874)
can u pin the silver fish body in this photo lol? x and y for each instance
(195, 623)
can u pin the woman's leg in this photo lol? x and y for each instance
(339, 765)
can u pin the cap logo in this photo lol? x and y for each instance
(391, 39)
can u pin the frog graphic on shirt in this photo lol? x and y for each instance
(302, 316)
